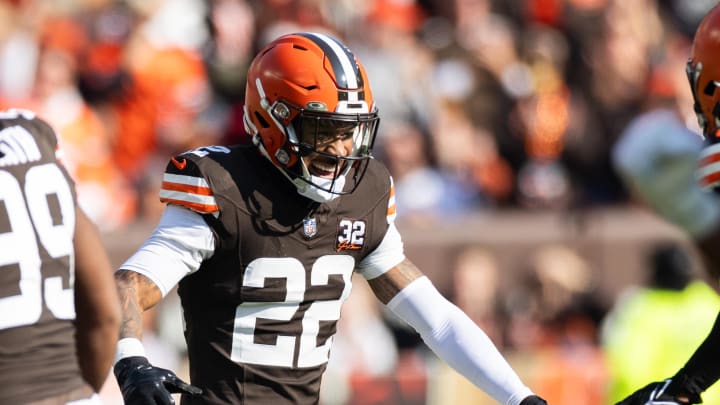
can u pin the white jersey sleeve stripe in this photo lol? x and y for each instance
(189, 197)
(187, 180)
(709, 166)
(188, 191)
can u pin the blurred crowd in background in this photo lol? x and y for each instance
(485, 105)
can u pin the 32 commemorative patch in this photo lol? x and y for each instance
(350, 235)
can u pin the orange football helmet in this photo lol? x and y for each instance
(703, 70)
(299, 87)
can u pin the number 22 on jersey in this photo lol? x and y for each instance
(27, 210)
(287, 352)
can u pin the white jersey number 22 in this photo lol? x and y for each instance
(282, 353)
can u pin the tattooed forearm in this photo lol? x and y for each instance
(387, 285)
(137, 293)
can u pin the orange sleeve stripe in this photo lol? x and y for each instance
(186, 188)
(391, 200)
(198, 207)
(709, 156)
(707, 160)
(710, 179)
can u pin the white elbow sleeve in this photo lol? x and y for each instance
(455, 338)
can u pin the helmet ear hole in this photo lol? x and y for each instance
(710, 88)
(261, 120)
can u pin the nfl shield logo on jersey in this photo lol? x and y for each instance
(309, 227)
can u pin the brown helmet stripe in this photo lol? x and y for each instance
(342, 60)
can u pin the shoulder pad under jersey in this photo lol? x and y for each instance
(185, 184)
(25, 138)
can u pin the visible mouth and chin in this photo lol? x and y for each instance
(322, 169)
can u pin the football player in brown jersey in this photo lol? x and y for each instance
(59, 307)
(263, 240)
(658, 156)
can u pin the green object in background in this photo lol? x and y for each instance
(651, 333)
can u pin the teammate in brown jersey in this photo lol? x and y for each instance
(659, 156)
(59, 308)
(263, 240)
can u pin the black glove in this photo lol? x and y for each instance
(662, 393)
(533, 400)
(143, 384)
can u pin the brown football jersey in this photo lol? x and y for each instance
(37, 222)
(261, 313)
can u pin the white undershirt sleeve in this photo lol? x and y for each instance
(178, 245)
(455, 338)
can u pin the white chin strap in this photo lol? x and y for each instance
(320, 194)
(308, 190)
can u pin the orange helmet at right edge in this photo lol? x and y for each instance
(305, 83)
(703, 70)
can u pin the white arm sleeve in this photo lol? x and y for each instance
(455, 338)
(388, 254)
(176, 248)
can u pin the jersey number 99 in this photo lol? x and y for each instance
(31, 223)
